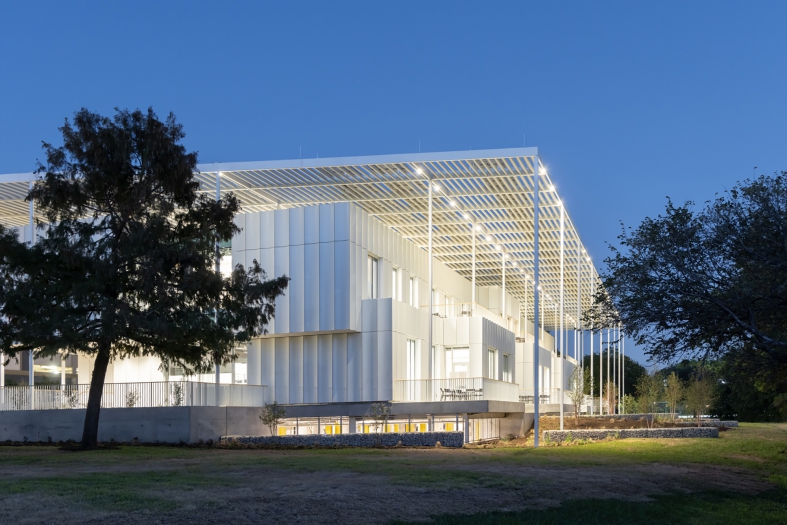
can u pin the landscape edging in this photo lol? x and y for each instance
(559, 436)
(386, 439)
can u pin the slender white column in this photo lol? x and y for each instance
(592, 356)
(472, 290)
(615, 361)
(562, 308)
(431, 285)
(31, 357)
(623, 368)
(503, 306)
(218, 269)
(609, 365)
(600, 371)
(620, 369)
(63, 371)
(535, 301)
(580, 254)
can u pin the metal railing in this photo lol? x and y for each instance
(129, 395)
(546, 396)
(458, 389)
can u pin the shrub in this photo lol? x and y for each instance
(271, 416)
(132, 397)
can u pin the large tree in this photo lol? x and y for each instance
(710, 283)
(124, 263)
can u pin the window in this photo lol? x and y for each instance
(491, 363)
(413, 361)
(507, 367)
(457, 362)
(412, 291)
(373, 265)
(395, 293)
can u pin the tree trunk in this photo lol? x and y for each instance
(90, 430)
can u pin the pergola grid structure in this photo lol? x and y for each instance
(487, 193)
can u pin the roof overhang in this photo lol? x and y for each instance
(486, 194)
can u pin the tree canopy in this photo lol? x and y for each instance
(124, 264)
(709, 283)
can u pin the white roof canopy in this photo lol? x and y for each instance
(489, 192)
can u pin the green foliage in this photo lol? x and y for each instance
(673, 392)
(711, 284)
(630, 405)
(700, 394)
(578, 383)
(271, 416)
(125, 264)
(650, 390)
(380, 413)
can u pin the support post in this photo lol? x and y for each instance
(535, 301)
(592, 355)
(466, 428)
(578, 325)
(609, 375)
(472, 284)
(600, 372)
(623, 369)
(431, 285)
(503, 298)
(620, 370)
(31, 357)
(562, 308)
(218, 269)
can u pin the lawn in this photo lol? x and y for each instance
(739, 478)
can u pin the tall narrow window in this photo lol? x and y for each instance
(507, 367)
(373, 264)
(395, 294)
(413, 368)
(491, 363)
(412, 292)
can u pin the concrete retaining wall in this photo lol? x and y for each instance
(407, 439)
(558, 436)
(148, 425)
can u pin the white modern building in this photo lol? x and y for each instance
(412, 282)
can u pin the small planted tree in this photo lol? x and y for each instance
(610, 396)
(700, 394)
(649, 391)
(576, 392)
(673, 392)
(380, 413)
(271, 416)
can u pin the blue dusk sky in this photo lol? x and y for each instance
(628, 102)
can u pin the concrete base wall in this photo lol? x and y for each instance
(148, 425)
(515, 424)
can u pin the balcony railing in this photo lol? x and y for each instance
(546, 396)
(459, 389)
(129, 395)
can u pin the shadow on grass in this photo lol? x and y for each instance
(708, 508)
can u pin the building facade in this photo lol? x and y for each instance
(369, 316)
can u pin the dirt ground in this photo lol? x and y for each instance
(315, 494)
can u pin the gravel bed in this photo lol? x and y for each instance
(387, 439)
(558, 436)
